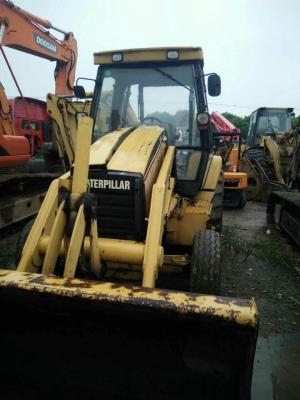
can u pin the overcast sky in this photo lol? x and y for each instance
(252, 44)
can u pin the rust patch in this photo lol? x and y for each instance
(191, 297)
(222, 300)
(233, 314)
(83, 284)
(164, 295)
(42, 280)
(231, 300)
(141, 290)
(211, 311)
(39, 280)
(118, 286)
(241, 302)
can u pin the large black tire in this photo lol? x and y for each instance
(216, 216)
(21, 240)
(206, 263)
(243, 199)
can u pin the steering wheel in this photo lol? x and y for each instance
(155, 119)
(170, 129)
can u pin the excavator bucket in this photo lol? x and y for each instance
(89, 339)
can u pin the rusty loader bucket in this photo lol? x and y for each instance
(85, 339)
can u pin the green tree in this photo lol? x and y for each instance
(181, 118)
(295, 121)
(163, 116)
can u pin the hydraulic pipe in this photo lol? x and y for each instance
(43, 22)
(24, 102)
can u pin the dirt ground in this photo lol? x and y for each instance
(266, 265)
(262, 264)
(8, 241)
(256, 263)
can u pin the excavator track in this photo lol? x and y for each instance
(22, 195)
(283, 209)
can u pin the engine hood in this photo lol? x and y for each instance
(127, 149)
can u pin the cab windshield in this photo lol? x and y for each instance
(273, 121)
(162, 95)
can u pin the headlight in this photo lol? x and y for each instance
(203, 118)
(172, 54)
(117, 57)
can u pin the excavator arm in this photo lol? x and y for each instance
(26, 32)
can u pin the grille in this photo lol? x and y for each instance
(120, 204)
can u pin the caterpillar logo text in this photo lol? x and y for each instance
(109, 184)
(40, 41)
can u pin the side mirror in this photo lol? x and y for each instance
(79, 92)
(214, 85)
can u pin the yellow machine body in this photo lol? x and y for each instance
(103, 295)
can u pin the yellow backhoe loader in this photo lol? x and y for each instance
(117, 287)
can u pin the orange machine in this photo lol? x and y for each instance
(14, 150)
(227, 143)
(24, 31)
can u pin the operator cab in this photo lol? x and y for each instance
(163, 87)
(268, 122)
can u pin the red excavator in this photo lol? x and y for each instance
(29, 157)
(24, 123)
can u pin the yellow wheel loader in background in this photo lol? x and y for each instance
(267, 159)
(272, 163)
(117, 288)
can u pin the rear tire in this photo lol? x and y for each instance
(216, 216)
(243, 199)
(21, 241)
(206, 263)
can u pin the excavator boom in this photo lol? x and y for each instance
(22, 31)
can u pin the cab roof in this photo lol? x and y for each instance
(289, 109)
(168, 54)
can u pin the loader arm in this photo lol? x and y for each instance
(152, 249)
(269, 144)
(64, 115)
